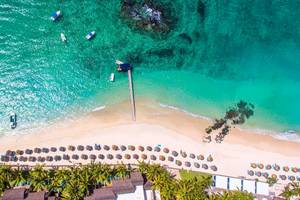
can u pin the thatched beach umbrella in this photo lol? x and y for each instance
(286, 168)
(282, 177)
(84, 156)
(106, 148)
(37, 150)
(141, 148)
(114, 147)
(80, 148)
(250, 172)
(97, 147)
(260, 166)
(4, 158)
(268, 167)
(62, 149)
(291, 178)
(75, 157)
(71, 148)
(21, 158)
(57, 158)
(183, 154)
(93, 157)
(101, 156)
(45, 150)
(274, 176)
(41, 159)
(192, 156)
(253, 165)
(166, 150)
(144, 156)
(10, 153)
(174, 153)
(276, 167)
(214, 168)
(187, 164)
(89, 147)
(170, 158)
(13, 158)
(149, 148)
(258, 174)
(49, 158)
(53, 149)
(157, 149)
(19, 152)
(131, 147)
(119, 156)
(178, 162)
(197, 165)
(295, 169)
(135, 156)
(127, 156)
(28, 151)
(204, 166)
(153, 157)
(32, 159)
(66, 157)
(266, 174)
(162, 158)
(200, 157)
(25, 159)
(109, 156)
(123, 148)
(210, 158)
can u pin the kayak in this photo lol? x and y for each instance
(112, 77)
(55, 15)
(63, 37)
(13, 120)
(90, 35)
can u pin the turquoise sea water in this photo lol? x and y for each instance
(239, 49)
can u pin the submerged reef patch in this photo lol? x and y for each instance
(147, 15)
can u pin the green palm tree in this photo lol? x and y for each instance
(58, 180)
(74, 190)
(20, 176)
(291, 190)
(121, 171)
(232, 195)
(103, 174)
(38, 178)
(6, 178)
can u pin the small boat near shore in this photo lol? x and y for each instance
(13, 120)
(90, 35)
(63, 37)
(55, 15)
(112, 77)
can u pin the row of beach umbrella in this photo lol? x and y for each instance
(107, 148)
(267, 175)
(102, 157)
(275, 167)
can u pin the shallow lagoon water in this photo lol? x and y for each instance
(236, 50)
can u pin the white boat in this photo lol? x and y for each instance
(112, 77)
(118, 62)
(90, 35)
(63, 37)
(55, 15)
(13, 120)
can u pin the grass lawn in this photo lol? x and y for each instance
(185, 174)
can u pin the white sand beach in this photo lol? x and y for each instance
(166, 127)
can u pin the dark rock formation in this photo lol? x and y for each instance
(146, 15)
(186, 37)
(167, 52)
(201, 9)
